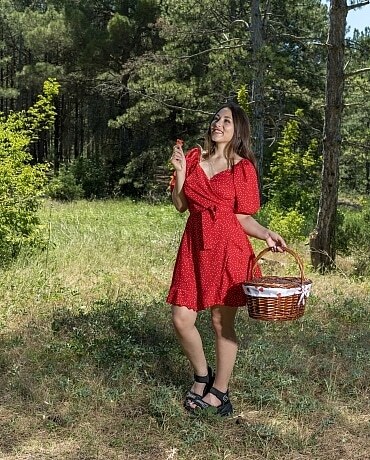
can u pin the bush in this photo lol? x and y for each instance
(353, 237)
(92, 175)
(290, 224)
(81, 178)
(21, 185)
(353, 233)
(293, 182)
(64, 186)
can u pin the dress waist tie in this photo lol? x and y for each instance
(211, 219)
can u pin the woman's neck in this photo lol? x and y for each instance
(219, 151)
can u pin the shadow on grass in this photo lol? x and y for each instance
(307, 366)
(125, 337)
(57, 368)
(124, 359)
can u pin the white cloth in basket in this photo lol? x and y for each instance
(260, 291)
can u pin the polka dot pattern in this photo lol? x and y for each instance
(215, 255)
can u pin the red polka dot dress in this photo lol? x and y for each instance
(215, 255)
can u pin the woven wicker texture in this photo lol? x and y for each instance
(286, 305)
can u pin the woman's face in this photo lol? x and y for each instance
(222, 126)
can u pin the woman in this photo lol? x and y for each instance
(219, 188)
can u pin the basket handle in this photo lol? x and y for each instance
(288, 250)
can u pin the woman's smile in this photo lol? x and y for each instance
(222, 126)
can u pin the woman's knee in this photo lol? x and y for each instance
(217, 323)
(223, 322)
(183, 319)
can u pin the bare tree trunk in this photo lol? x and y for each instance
(257, 86)
(58, 129)
(76, 144)
(322, 239)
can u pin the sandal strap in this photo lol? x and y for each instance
(223, 397)
(204, 378)
(224, 409)
(190, 396)
(200, 403)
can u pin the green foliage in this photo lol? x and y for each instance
(156, 70)
(355, 159)
(353, 237)
(355, 227)
(45, 32)
(243, 99)
(21, 184)
(82, 178)
(42, 114)
(292, 184)
(64, 186)
(139, 176)
(294, 173)
(20, 187)
(93, 175)
(120, 29)
(291, 224)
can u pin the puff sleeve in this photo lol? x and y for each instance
(192, 158)
(247, 199)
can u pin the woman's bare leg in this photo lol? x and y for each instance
(184, 323)
(223, 320)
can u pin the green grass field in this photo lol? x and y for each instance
(90, 367)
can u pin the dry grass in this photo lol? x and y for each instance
(90, 368)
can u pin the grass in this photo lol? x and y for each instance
(90, 367)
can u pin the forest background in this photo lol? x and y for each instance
(93, 95)
(136, 75)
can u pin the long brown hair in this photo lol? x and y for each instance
(240, 144)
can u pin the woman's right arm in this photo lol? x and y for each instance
(179, 162)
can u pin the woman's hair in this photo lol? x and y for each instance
(240, 144)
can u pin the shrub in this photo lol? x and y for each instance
(64, 186)
(294, 172)
(92, 175)
(21, 185)
(81, 178)
(290, 224)
(353, 237)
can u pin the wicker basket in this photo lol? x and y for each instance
(275, 298)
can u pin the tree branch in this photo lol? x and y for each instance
(161, 102)
(241, 21)
(312, 40)
(356, 72)
(357, 5)
(208, 51)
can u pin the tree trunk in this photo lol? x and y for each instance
(258, 107)
(322, 239)
(58, 129)
(76, 143)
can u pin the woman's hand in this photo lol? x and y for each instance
(275, 241)
(256, 230)
(179, 163)
(178, 158)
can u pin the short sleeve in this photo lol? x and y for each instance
(192, 159)
(247, 198)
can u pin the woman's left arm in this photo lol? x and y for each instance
(256, 230)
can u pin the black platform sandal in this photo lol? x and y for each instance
(191, 397)
(224, 409)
